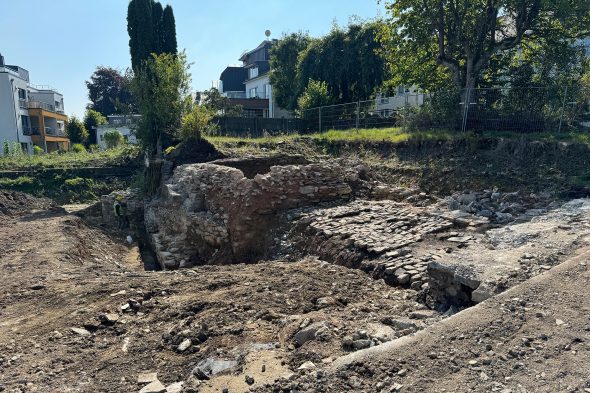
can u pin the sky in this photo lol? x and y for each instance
(61, 42)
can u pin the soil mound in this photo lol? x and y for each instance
(14, 203)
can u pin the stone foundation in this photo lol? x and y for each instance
(209, 213)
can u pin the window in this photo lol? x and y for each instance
(401, 89)
(253, 72)
(253, 92)
(22, 94)
(25, 122)
(384, 100)
(56, 104)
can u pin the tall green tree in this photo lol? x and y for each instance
(162, 87)
(347, 59)
(283, 64)
(168, 30)
(76, 131)
(457, 40)
(151, 29)
(140, 27)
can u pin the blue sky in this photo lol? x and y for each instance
(61, 42)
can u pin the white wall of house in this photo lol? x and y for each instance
(49, 97)
(127, 132)
(261, 84)
(11, 113)
(385, 105)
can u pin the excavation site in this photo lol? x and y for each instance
(288, 272)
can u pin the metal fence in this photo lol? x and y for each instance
(531, 109)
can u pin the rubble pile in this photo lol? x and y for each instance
(497, 207)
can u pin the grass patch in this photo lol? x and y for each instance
(398, 135)
(114, 157)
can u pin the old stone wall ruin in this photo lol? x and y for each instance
(211, 213)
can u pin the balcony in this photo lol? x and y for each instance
(22, 103)
(43, 105)
(51, 131)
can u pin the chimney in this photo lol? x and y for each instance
(1, 60)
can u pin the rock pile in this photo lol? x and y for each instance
(213, 214)
(497, 207)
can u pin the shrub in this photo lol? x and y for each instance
(316, 94)
(37, 150)
(93, 148)
(6, 148)
(194, 123)
(78, 148)
(113, 138)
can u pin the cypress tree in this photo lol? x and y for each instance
(157, 12)
(169, 32)
(141, 31)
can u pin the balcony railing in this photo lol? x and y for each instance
(48, 131)
(22, 103)
(44, 106)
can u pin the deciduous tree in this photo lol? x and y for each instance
(429, 40)
(108, 91)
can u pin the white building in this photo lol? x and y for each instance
(30, 115)
(386, 106)
(126, 126)
(249, 85)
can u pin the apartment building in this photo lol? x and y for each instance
(249, 85)
(30, 115)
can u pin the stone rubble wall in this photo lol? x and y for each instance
(210, 213)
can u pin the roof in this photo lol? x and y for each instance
(264, 45)
(233, 78)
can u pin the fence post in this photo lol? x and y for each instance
(358, 113)
(466, 109)
(562, 110)
(320, 119)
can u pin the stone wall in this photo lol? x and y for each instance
(210, 213)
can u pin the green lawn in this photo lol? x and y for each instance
(397, 135)
(114, 157)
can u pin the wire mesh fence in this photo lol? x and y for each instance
(521, 110)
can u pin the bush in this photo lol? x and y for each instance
(78, 148)
(113, 138)
(93, 148)
(6, 148)
(195, 122)
(37, 150)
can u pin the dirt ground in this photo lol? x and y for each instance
(59, 274)
(78, 313)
